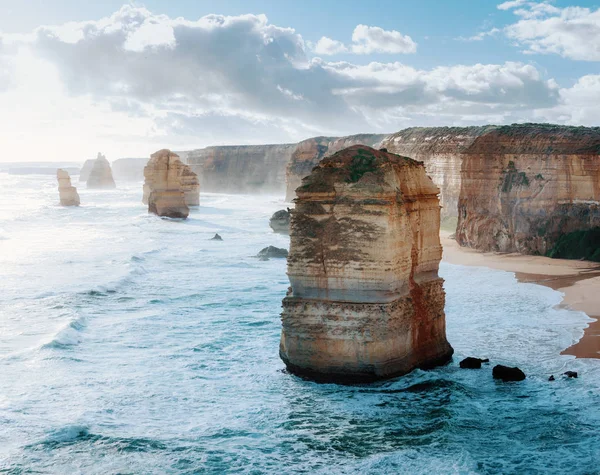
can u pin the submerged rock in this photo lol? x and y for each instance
(365, 301)
(472, 363)
(506, 373)
(216, 237)
(187, 180)
(163, 184)
(280, 221)
(551, 378)
(101, 175)
(272, 251)
(67, 193)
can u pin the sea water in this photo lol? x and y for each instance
(135, 344)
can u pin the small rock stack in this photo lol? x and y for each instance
(68, 193)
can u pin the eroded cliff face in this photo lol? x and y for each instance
(308, 153)
(524, 185)
(67, 193)
(163, 185)
(365, 301)
(440, 149)
(100, 176)
(241, 169)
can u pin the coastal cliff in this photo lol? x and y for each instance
(241, 168)
(308, 153)
(523, 186)
(365, 301)
(163, 188)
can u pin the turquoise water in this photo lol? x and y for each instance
(133, 344)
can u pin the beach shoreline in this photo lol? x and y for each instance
(578, 281)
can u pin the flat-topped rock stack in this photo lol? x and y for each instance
(164, 189)
(188, 180)
(68, 193)
(365, 301)
(100, 176)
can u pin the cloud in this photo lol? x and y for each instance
(571, 32)
(368, 40)
(136, 81)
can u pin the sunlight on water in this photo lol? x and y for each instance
(133, 344)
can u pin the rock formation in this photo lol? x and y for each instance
(241, 169)
(163, 188)
(67, 193)
(84, 174)
(187, 179)
(308, 153)
(101, 175)
(272, 252)
(523, 186)
(365, 301)
(506, 373)
(280, 221)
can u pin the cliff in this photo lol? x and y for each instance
(100, 176)
(67, 193)
(187, 179)
(365, 301)
(308, 153)
(523, 186)
(241, 168)
(163, 185)
(129, 169)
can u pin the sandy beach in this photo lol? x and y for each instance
(579, 281)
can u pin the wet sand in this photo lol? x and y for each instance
(579, 281)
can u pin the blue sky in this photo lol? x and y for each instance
(409, 63)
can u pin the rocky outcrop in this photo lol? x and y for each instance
(308, 153)
(84, 174)
(506, 373)
(523, 186)
(165, 192)
(365, 301)
(101, 175)
(241, 168)
(129, 169)
(280, 221)
(272, 252)
(67, 193)
(187, 181)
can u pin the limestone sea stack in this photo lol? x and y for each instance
(163, 187)
(101, 175)
(84, 173)
(365, 301)
(68, 193)
(188, 181)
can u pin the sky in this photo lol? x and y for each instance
(128, 79)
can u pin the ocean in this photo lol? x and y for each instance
(135, 344)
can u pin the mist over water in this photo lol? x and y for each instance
(134, 344)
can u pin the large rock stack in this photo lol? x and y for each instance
(68, 193)
(365, 301)
(101, 175)
(164, 189)
(188, 180)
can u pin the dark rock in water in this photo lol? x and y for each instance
(216, 237)
(472, 363)
(280, 221)
(274, 252)
(571, 374)
(506, 373)
(551, 378)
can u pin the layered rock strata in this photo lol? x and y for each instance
(187, 180)
(523, 186)
(100, 176)
(365, 301)
(67, 193)
(163, 185)
(241, 169)
(308, 153)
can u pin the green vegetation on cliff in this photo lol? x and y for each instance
(584, 244)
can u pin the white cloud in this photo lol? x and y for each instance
(135, 82)
(368, 40)
(571, 32)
